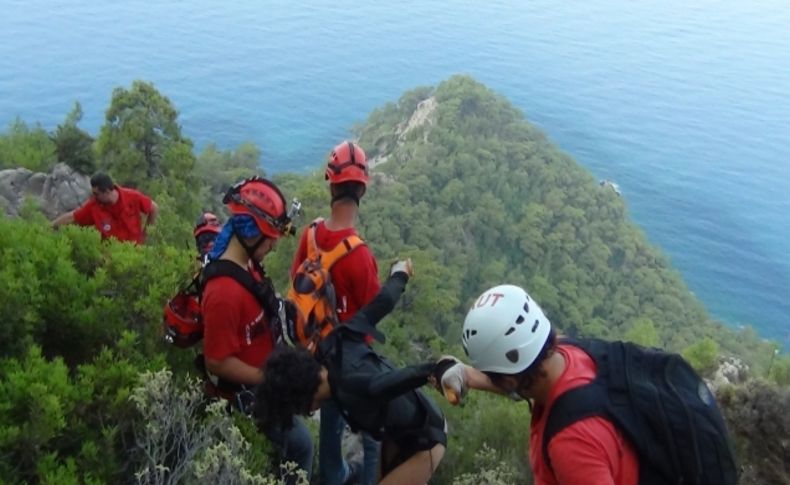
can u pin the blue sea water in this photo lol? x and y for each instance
(685, 104)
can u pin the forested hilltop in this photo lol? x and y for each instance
(462, 184)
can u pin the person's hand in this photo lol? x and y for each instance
(449, 376)
(402, 266)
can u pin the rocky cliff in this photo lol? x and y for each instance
(61, 190)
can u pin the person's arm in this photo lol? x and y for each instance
(476, 379)
(67, 218)
(234, 370)
(152, 215)
(365, 284)
(366, 319)
(389, 385)
(453, 378)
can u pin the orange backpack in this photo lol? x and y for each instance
(313, 294)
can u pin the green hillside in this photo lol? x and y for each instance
(463, 185)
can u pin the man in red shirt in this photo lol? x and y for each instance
(514, 351)
(356, 282)
(113, 210)
(238, 326)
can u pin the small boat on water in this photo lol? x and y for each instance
(611, 185)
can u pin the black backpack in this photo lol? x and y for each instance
(660, 405)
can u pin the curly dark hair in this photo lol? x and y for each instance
(290, 380)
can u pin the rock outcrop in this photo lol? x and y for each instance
(731, 371)
(423, 115)
(62, 190)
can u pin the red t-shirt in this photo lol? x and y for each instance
(355, 276)
(591, 451)
(234, 323)
(120, 220)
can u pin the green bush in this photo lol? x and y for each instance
(26, 147)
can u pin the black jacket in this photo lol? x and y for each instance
(371, 393)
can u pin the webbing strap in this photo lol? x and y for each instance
(329, 258)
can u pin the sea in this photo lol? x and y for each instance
(685, 104)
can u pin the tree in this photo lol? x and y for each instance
(642, 332)
(141, 127)
(703, 355)
(74, 146)
(27, 147)
(219, 169)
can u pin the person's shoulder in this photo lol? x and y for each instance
(88, 204)
(579, 370)
(225, 289)
(83, 214)
(328, 239)
(130, 192)
(575, 355)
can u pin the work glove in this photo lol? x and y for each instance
(450, 379)
(402, 266)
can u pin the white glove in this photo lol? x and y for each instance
(402, 266)
(452, 379)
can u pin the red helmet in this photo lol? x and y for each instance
(182, 322)
(261, 199)
(207, 222)
(347, 163)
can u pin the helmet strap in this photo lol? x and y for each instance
(250, 249)
(348, 191)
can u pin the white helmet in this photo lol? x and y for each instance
(504, 330)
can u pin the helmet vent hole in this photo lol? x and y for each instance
(510, 330)
(535, 325)
(512, 355)
(526, 307)
(466, 351)
(520, 320)
(474, 332)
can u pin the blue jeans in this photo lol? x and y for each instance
(332, 468)
(294, 445)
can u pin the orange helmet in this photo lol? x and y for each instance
(261, 199)
(207, 222)
(347, 163)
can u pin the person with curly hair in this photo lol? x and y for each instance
(373, 396)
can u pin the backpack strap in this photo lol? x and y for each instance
(194, 286)
(312, 246)
(579, 403)
(329, 258)
(263, 290)
(223, 267)
(592, 399)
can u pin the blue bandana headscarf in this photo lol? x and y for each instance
(243, 224)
